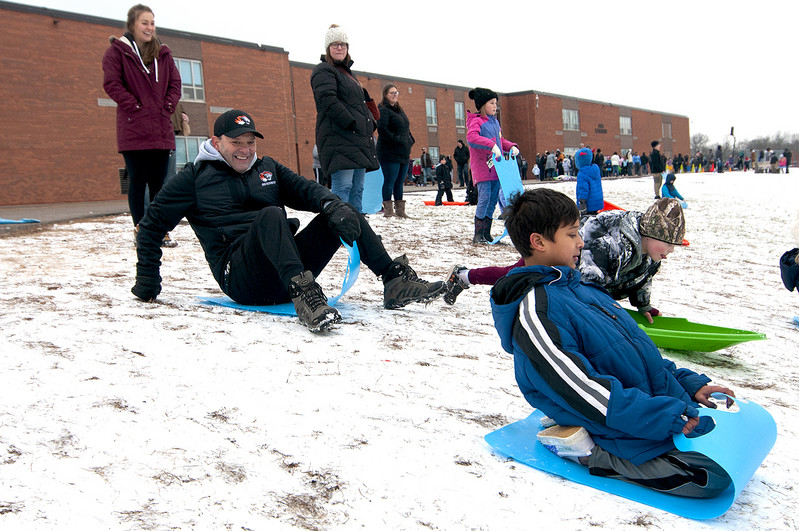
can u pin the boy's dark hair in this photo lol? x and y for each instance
(442, 157)
(540, 210)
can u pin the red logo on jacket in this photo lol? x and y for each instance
(266, 177)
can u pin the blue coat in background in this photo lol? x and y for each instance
(669, 190)
(589, 182)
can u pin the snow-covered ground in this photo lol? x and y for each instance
(117, 414)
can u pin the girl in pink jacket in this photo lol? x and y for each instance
(485, 143)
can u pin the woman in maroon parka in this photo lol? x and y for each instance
(141, 77)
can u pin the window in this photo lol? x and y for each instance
(570, 150)
(191, 75)
(460, 114)
(430, 108)
(571, 120)
(666, 130)
(625, 125)
(433, 150)
(186, 149)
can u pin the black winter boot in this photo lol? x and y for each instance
(479, 231)
(487, 234)
(454, 284)
(401, 286)
(311, 303)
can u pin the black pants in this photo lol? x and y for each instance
(441, 191)
(269, 255)
(146, 168)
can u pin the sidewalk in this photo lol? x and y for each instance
(48, 214)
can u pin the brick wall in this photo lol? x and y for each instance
(58, 144)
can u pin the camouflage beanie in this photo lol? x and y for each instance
(664, 221)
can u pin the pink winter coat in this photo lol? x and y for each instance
(145, 102)
(482, 134)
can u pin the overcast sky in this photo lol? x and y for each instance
(721, 63)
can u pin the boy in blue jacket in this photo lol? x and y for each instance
(583, 361)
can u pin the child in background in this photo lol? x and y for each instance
(485, 142)
(444, 180)
(669, 190)
(590, 198)
(585, 363)
(622, 253)
(417, 173)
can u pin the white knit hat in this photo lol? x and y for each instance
(335, 34)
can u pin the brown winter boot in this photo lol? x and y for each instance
(388, 209)
(399, 206)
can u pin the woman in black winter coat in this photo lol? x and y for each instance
(394, 143)
(345, 124)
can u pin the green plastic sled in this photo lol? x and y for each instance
(676, 333)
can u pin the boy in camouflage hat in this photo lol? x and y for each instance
(622, 253)
(623, 250)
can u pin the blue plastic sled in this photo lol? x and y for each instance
(796, 320)
(372, 200)
(287, 308)
(739, 443)
(4, 221)
(510, 180)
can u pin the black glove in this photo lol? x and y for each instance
(343, 219)
(146, 288)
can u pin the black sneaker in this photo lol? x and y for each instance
(454, 284)
(401, 286)
(311, 303)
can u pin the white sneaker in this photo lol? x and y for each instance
(567, 441)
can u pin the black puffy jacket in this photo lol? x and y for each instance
(221, 205)
(394, 138)
(344, 125)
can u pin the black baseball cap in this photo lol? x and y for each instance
(235, 123)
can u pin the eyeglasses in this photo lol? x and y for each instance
(393, 93)
(338, 45)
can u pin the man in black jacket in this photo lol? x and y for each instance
(658, 163)
(235, 203)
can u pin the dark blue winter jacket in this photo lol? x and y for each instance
(582, 360)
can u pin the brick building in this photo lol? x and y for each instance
(58, 132)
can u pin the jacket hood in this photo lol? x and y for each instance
(584, 157)
(208, 152)
(508, 292)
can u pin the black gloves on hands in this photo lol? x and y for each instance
(146, 288)
(343, 220)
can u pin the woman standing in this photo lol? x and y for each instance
(394, 143)
(140, 75)
(345, 125)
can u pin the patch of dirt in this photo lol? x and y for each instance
(491, 420)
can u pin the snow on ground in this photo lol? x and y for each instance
(117, 414)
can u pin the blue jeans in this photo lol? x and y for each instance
(427, 173)
(393, 179)
(487, 195)
(348, 185)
